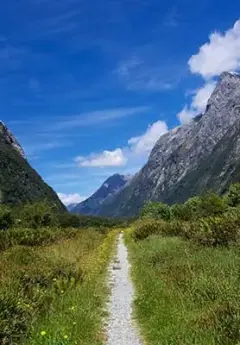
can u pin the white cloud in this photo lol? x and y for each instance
(104, 159)
(97, 117)
(137, 148)
(143, 75)
(198, 103)
(221, 53)
(144, 143)
(186, 114)
(69, 199)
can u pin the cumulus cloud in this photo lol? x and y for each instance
(69, 199)
(198, 103)
(137, 147)
(221, 53)
(106, 158)
(144, 143)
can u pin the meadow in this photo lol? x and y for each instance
(53, 283)
(186, 270)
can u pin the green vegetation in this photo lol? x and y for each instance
(186, 270)
(20, 183)
(52, 277)
(186, 294)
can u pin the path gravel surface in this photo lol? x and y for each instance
(120, 328)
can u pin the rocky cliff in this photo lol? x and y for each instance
(190, 158)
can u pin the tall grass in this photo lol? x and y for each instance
(54, 293)
(186, 294)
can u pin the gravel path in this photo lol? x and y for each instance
(120, 329)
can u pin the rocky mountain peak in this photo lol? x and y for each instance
(171, 173)
(109, 188)
(8, 138)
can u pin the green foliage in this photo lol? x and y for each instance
(20, 183)
(213, 231)
(81, 221)
(156, 210)
(146, 228)
(211, 204)
(34, 237)
(233, 196)
(181, 212)
(208, 204)
(206, 219)
(6, 217)
(40, 214)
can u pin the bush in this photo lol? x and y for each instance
(156, 210)
(181, 212)
(146, 228)
(213, 231)
(6, 217)
(233, 196)
(38, 214)
(33, 237)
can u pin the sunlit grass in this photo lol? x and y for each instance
(55, 294)
(186, 294)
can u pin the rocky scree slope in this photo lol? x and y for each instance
(110, 187)
(190, 158)
(19, 182)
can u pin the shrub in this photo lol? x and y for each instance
(146, 228)
(213, 231)
(6, 217)
(37, 215)
(156, 210)
(181, 212)
(233, 196)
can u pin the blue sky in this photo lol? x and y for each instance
(88, 86)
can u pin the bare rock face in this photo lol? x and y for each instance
(8, 138)
(182, 152)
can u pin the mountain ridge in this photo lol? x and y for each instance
(19, 182)
(180, 152)
(111, 186)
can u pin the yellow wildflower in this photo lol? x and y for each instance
(43, 333)
(65, 337)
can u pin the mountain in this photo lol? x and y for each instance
(204, 154)
(109, 188)
(19, 182)
(71, 207)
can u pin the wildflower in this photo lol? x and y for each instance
(65, 337)
(43, 333)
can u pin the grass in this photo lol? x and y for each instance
(186, 294)
(54, 294)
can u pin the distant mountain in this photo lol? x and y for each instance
(19, 182)
(204, 154)
(109, 188)
(71, 207)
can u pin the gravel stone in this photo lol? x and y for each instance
(120, 329)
